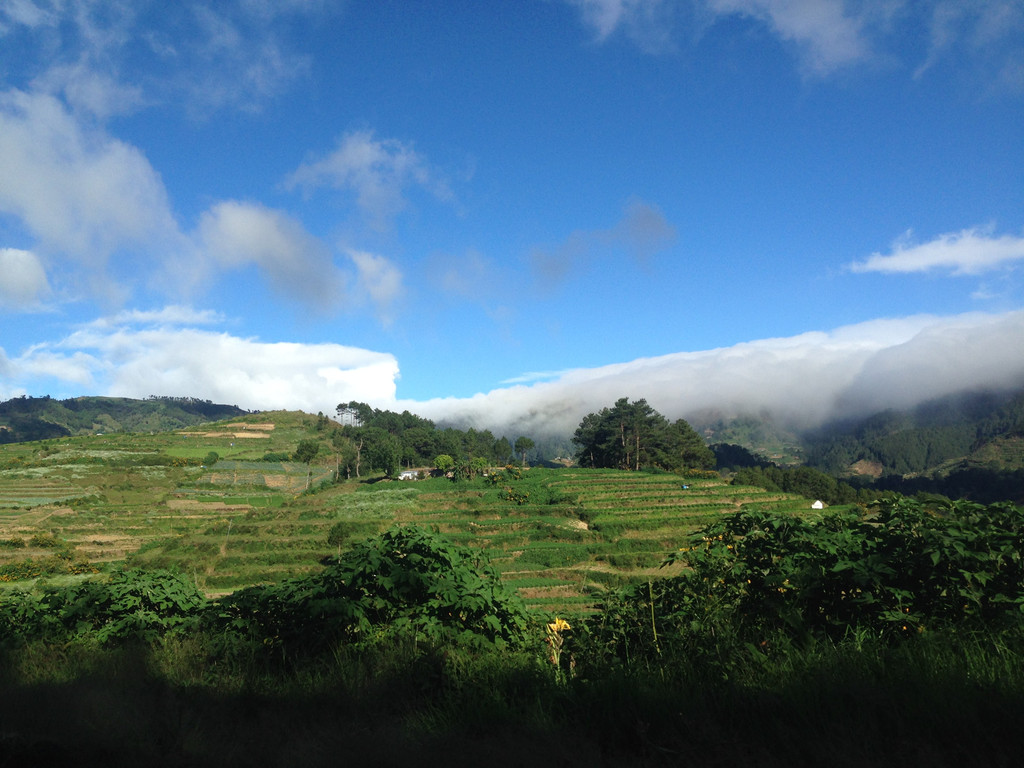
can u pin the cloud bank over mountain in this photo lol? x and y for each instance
(802, 380)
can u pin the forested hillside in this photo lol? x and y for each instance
(921, 439)
(41, 418)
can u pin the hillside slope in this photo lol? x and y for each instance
(41, 418)
(966, 429)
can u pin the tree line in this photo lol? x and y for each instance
(367, 439)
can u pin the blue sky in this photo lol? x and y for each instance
(513, 213)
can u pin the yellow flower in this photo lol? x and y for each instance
(559, 625)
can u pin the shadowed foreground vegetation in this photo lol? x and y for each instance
(927, 704)
(883, 637)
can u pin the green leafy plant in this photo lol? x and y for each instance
(764, 580)
(406, 581)
(130, 604)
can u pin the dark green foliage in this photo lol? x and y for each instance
(129, 605)
(62, 562)
(805, 481)
(406, 581)
(731, 456)
(980, 484)
(920, 439)
(634, 436)
(502, 450)
(306, 451)
(383, 451)
(758, 433)
(342, 531)
(761, 580)
(276, 456)
(523, 446)
(385, 441)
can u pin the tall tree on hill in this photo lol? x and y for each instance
(634, 435)
(523, 445)
(502, 450)
(686, 448)
(383, 451)
(595, 439)
(305, 452)
(354, 414)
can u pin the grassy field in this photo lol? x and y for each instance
(152, 501)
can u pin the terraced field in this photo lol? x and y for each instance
(148, 501)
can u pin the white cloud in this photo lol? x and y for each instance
(380, 279)
(470, 276)
(989, 32)
(23, 13)
(24, 282)
(824, 30)
(243, 61)
(944, 357)
(246, 372)
(173, 314)
(983, 37)
(647, 23)
(605, 16)
(968, 252)
(80, 192)
(378, 171)
(74, 368)
(88, 90)
(642, 231)
(99, 53)
(802, 380)
(138, 354)
(295, 263)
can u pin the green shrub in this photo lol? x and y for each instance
(276, 456)
(45, 541)
(65, 561)
(130, 604)
(22, 616)
(406, 581)
(762, 580)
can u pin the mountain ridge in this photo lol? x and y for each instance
(24, 419)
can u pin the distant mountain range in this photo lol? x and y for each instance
(40, 418)
(979, 431)
(967, 429)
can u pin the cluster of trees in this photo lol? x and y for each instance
(634, 436)
(369, 439)
(804, 481)
(980, 484)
